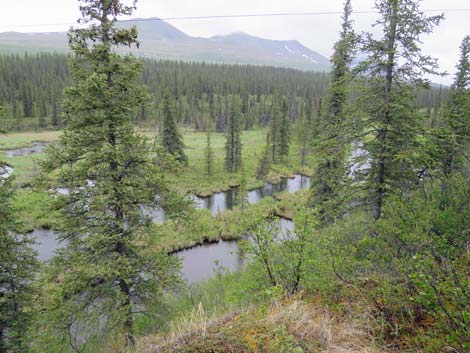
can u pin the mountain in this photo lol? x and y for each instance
(288, 53)
(161, 40)
(154, 29)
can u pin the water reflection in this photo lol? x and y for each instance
(5, 171)
(226, 200)
(202, 262)
(37, 147)
(46, 243)
(221, 201)
(199, 263)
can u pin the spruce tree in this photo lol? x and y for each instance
(284, 132)
(275, 122)
(242, 191)
(209, 154)
(111, 270)
(172, 140)
(317, 119)
(55, 113)
(18, 266)
(394, 67)
(264, 164)
(332, 136)
(233, 145)
(457, 119)
(304, 136)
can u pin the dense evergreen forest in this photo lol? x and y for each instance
(341, 200)
(32, 89)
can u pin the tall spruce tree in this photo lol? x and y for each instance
(209, 154)
(303, 135)
(18, 266)
(332, 137)
(457, 119)
(284, 131)
(172, 140)
(107, 274)
(394, 67)
(242, 191)
(275, 127)
(233, 144)
(264, 164)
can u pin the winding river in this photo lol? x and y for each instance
(198, 263)
(201, 262)
(204, 261)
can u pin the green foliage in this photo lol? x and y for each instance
(32, 86)
(171, 139)
(264, 164)
(275, 126)
(395, 65)
(282, 253)
(284, 132)
(36, 209)
(18, 267)
(209, 155)
(304, 129)
(423, 240)
(115, 279)
(413, 271)
(242, 191)
(106, 276)
(333, 137)
(456, 142)
(233, 145)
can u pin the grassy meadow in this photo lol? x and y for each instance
(194, 178)
(36, 207)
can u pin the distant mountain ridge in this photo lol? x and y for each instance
(161, 40)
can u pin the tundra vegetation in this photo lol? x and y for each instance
(378, 259)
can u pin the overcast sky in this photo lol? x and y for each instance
(316, 32)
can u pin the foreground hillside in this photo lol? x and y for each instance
(289, 325)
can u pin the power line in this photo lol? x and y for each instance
(208, 17)
(290, 14)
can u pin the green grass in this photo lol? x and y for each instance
(35, 209)
(25, 139)
(201, 227)
(25, 167)
(176, 234)
(194, 178)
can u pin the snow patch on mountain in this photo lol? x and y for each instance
(288, 49)
(309, 58)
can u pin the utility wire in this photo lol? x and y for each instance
(231, 16)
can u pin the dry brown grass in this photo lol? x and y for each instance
(291, 325)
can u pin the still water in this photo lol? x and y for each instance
(199, 263)
(37, 147)
(221, 201)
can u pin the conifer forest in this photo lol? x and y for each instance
(149, 204)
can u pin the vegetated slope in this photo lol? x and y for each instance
(164, 41)
(290, 326)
